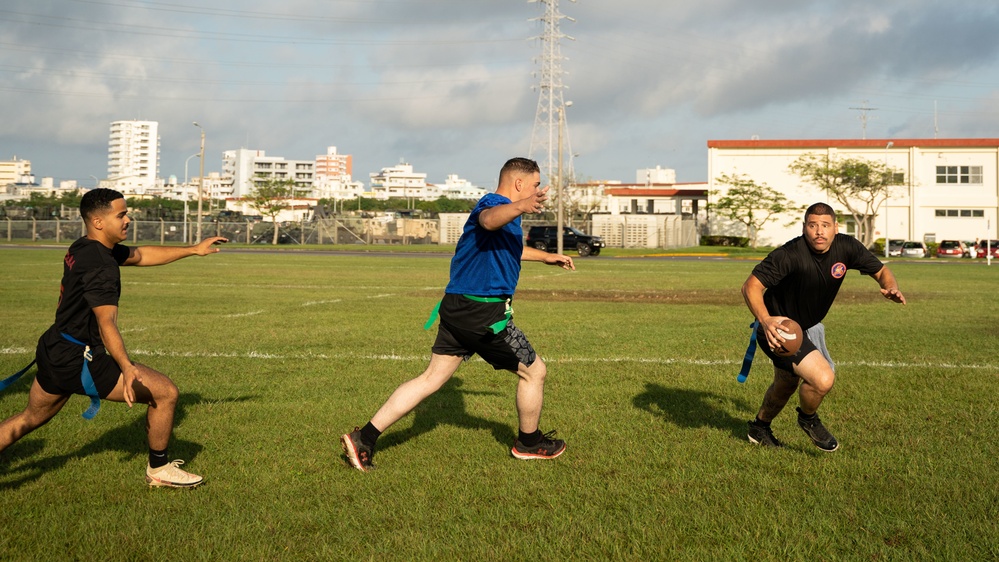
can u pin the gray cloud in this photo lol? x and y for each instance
(447, 84)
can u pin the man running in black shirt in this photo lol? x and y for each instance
(83, 352)
(799, 281)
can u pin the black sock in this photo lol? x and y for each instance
(369, 434)
(805, 416)
(529, 439)
(760, 422)
(157, 458)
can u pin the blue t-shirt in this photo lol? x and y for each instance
(486, 263)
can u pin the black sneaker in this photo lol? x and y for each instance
(818, 432)
(547, 448)
(763, 435)
(358, 454)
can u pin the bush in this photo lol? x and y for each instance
(737, 241)
(878, 247)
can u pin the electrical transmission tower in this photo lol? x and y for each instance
(551, 104)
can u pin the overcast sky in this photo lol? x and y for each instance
(447, 85)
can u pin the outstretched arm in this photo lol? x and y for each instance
(533, 254)
(889, 286)
(160, 255)
(494, 218)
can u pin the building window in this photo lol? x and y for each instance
(959, 174)
(960, 213)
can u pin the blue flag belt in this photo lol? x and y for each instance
(13, 378)
(88, 381)
(747, 361)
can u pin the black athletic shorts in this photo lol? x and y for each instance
(463, 331)
(785, 363)
(66, 379)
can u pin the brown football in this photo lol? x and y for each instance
(791, 332)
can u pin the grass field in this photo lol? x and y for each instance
(276, 355)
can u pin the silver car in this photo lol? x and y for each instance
(913, 249)
(895, 247)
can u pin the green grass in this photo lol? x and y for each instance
(277, 354)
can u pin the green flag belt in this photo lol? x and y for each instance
(494, 328)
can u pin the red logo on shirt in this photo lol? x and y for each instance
(838, 270)
(70, 261)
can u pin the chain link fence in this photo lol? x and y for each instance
(340, 231)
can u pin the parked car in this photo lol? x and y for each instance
(987, 246)
(913, 249)
(952, 249)
(969, 248)
(546, 238)
(895, 247)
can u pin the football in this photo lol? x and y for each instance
(791, 332)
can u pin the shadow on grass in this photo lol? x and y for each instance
(693, 408)
(447, 407)
(128, 439)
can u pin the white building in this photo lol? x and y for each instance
(402, 182)
(15, 170)
(950, 187)
(133, 156)
(657, 175)
(243, 170)
(459, 188)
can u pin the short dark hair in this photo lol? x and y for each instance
(820, 209)
(518, 165)
(97, 201)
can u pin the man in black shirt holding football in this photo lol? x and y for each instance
(799, 281)
(83, 351)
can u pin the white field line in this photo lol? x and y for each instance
(313, 303)
(242, 314)
(563, 360)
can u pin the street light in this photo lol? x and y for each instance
(186, 193)
(558, 186)
(201, 178)
(887, 197)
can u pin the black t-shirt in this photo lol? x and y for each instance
(802, 284)
(90, 278)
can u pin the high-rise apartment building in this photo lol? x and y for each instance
(334, 166)
(133, 155)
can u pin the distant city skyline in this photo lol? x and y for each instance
(448, 87)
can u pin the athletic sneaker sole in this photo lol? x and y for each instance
(154, 483)
(535, 456)
(348, 449)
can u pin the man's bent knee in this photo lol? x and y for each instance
(535, 373)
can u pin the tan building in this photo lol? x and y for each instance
(15, 170)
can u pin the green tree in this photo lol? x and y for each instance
(749, 203)
(861, 186)
(270, 198)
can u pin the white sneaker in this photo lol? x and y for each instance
(171, 476)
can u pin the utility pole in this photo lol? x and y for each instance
(550, 100)
(201, 179)
(863, 117)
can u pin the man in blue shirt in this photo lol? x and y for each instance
(475, 317)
